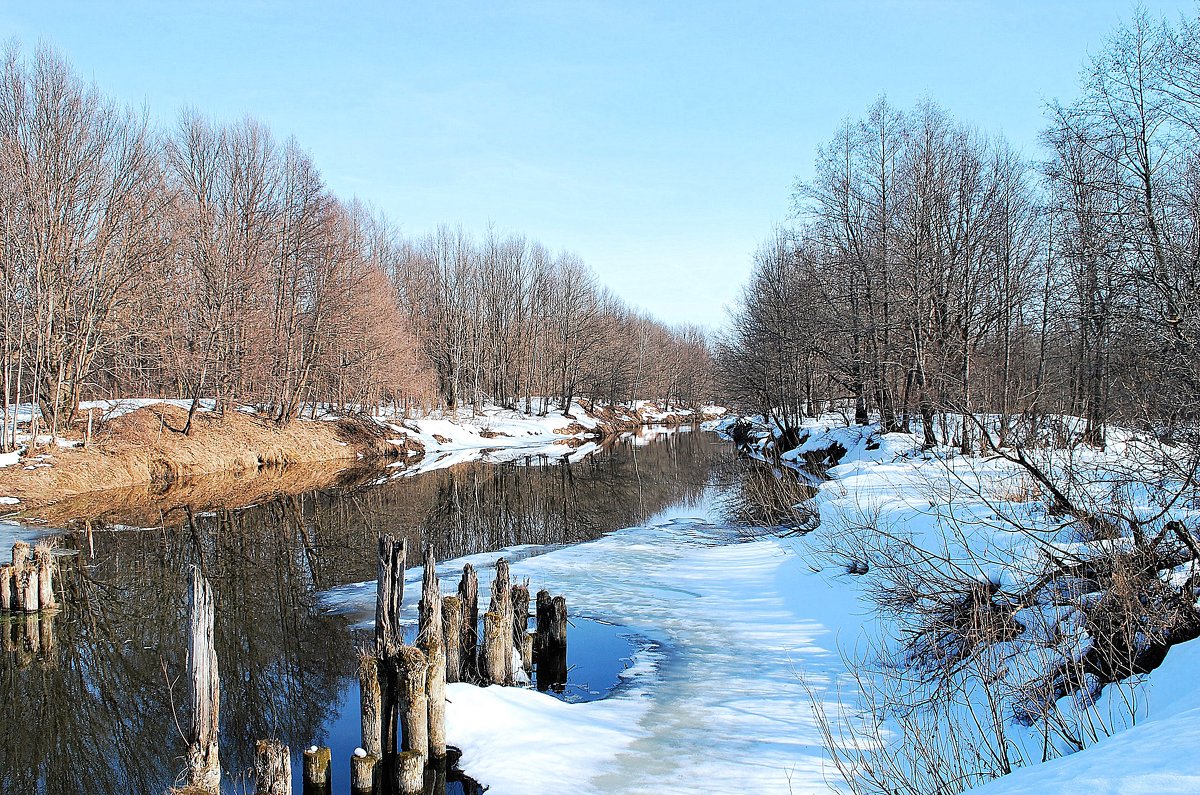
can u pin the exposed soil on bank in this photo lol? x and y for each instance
(144, 458)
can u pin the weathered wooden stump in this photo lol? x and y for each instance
(468, 592)
(363, 770)
(410, 773)
(44, 561)
(412, 670)
(495, 632)
(272, 768)
(370, 706)
(6, 588)
(550, 649)
(317, 775)
(28, 588)
(527, 653)
(519, 597)
(389, 636)
(452, 618)
(203, 761)
(501, 605)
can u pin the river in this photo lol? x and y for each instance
(92, 697)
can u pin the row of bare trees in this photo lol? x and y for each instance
(505, 320)
(935, 271)
(210, 261)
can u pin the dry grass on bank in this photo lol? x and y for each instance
(146, 451)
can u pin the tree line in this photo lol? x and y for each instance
(210, 261)
(935, 271)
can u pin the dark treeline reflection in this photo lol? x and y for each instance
(95, 709)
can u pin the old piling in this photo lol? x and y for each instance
(43, 558)
(204, 765)
(371, 708)
(410, 773)
(430, 639)
(519, 597)
(527, 653)
(452, 619)
(28, 588)
(412, 669)
(468, 592)
(501, 605)
(389, 635)
(550, 648)
(362, 773)
(317, 777)
(495, 632)
(272, 768)
(20, 555)
(6, 588)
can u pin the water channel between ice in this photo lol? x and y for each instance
(692, 619)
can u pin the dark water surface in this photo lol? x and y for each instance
(90, 698)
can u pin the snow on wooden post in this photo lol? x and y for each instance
(501, 605)
(369, 696)
(363, 768)
(272, 768)
(468, 592)
(44, 561)
(317, 779)
(412, 669)
(410, 773)
(495, 631)
(452, 619)
(204, 765)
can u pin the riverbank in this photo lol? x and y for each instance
(138, 455)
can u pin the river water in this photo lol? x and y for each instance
(90, 699)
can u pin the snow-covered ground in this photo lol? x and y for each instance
(748, 633)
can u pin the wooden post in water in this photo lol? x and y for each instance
(362, 773)
(272, 768)
(317, 778)
(495, 630)
(44, 560)
(551, 644)
(203, 762)
(519, 596)
(369, 697)
(501, 605)
(430, 639)
(28, 588)
(452, 626)
(468, 592)
(20, 555)
(527, 654)
(412, 669)
(6, 588)
(410, 773)
(389, 636)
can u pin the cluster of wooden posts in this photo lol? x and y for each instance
(402, 687)
(27, 601)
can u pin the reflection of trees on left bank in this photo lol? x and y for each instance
(94, 714)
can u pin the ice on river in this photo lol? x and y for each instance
(720, 705)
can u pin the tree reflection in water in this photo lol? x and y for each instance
(98, 712)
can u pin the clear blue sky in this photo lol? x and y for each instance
(657, 140)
